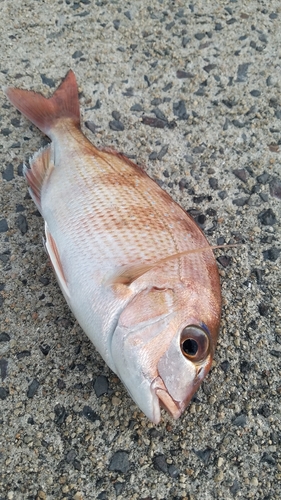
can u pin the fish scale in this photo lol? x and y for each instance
(135, 269)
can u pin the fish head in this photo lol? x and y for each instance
(163, 348)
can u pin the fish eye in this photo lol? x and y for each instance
(194, 343)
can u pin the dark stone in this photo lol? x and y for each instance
(3, 368)
(179, 110)
(102, 496)
(19, 208)
(235, 487)
(153, 155)
(15, 122)
(3, 226)
(213, 183)
(240, 420)
(200, 91)
(275, 188)
(271, 254)
(5, 257)
(183, 183)
(264, 196)
(70, 456)
(199, 36)
(276, 354)
(23, 354)
(77, 464)
(8, 173)
(160, 463)
(101, 386)
(167, 87)
(21, 223)
(136, 107)
(119, 487)
(273, 15)
(128, 14)
(218, 27)
(263, 178)
(238, 124)
(159, 114)
(173, 471)
(263, 309)
(77, 54)
(268, 458)
(20, 170)
(48, 81)
(184, 74)
(211, 212)
(241, 173)
(153, 122)
(170, 25)
(245, 366)
(224, 260)
(222, 195)
(45, 349)
(116, 115)
(258, 273)
(4, 337)
(198, 149)
(225, 365)
(116, 125)
(185, 41)
(44, 280)
(240, 202)
(267, 217)
(116, 24)
(242, 72)
(204, 455)
(91, 126)
(255, 93)
(163, 151)
(61, 384)
(209, 67)
(5, 131)
(60, 414)
(89, 413)
(81, 367)
(4, 393)
(264, 410)
(32, 388)
(120, 462)
(220, 240)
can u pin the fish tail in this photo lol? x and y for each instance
(45, 113)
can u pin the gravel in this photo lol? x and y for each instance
(197, 89)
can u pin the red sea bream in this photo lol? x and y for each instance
(135, 269)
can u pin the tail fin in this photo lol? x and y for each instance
(45, 113)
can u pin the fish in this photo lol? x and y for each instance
(135, 269)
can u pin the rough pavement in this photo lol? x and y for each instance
(192, 91)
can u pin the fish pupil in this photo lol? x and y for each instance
(190, 347)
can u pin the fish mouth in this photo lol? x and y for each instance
(165, 400)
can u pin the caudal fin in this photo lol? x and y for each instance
(45, 113)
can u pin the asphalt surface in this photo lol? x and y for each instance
(191, 91)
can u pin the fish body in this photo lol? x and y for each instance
(134, 267)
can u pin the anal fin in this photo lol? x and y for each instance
(53, 253)
(41, 167)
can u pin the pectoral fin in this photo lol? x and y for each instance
(56, 261)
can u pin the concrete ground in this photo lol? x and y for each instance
(192, 90)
